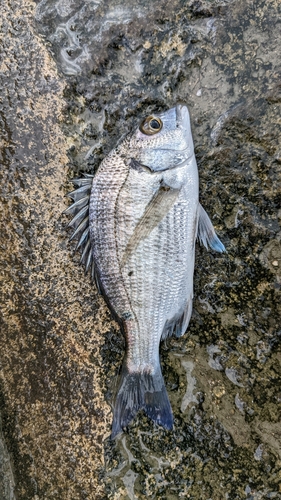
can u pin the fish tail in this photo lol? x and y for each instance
(141, 391)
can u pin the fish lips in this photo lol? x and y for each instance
(175, 118)
(183, 120)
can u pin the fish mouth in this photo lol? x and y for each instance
(182, 116)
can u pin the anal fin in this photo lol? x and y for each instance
(177, 326)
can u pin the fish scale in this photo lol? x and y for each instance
(103, 231)
(143, 214)
(152, 316)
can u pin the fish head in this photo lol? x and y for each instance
(163, 140)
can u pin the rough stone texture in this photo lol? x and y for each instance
(119, 61)
(54, 417)
(7, 481)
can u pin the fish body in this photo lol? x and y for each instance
(144, 216)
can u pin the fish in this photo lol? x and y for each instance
(137, 220)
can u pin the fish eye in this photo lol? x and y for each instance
(151, 125)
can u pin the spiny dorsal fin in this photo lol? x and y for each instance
(80, 222)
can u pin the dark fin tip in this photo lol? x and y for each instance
(141, 391)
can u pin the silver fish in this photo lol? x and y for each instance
(137, 221)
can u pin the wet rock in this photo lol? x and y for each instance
(270, 257)
(54, 416)
(222, 59)
(7, 481)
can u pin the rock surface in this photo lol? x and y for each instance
(54, 416)
(60, 350)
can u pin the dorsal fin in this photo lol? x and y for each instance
(80, 221)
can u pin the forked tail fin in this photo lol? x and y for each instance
(141, 391)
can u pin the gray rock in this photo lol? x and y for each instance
(59, 348)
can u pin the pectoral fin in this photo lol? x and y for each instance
(156, 210)
(206, 232)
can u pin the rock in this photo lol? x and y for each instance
(54, 416)
(60, 350)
